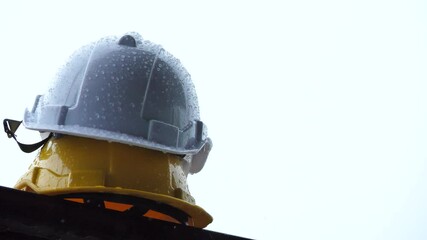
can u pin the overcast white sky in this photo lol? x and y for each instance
(317, 109)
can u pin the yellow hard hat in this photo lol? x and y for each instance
(72, 166)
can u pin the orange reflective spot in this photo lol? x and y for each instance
(117, 206)
(77, 200)
(160, 216)
(121, 207)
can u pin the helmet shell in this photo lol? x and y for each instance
(128, 91)
(75, 165)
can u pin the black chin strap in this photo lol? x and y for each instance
(10, 127)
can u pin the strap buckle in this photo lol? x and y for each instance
(10, 127)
